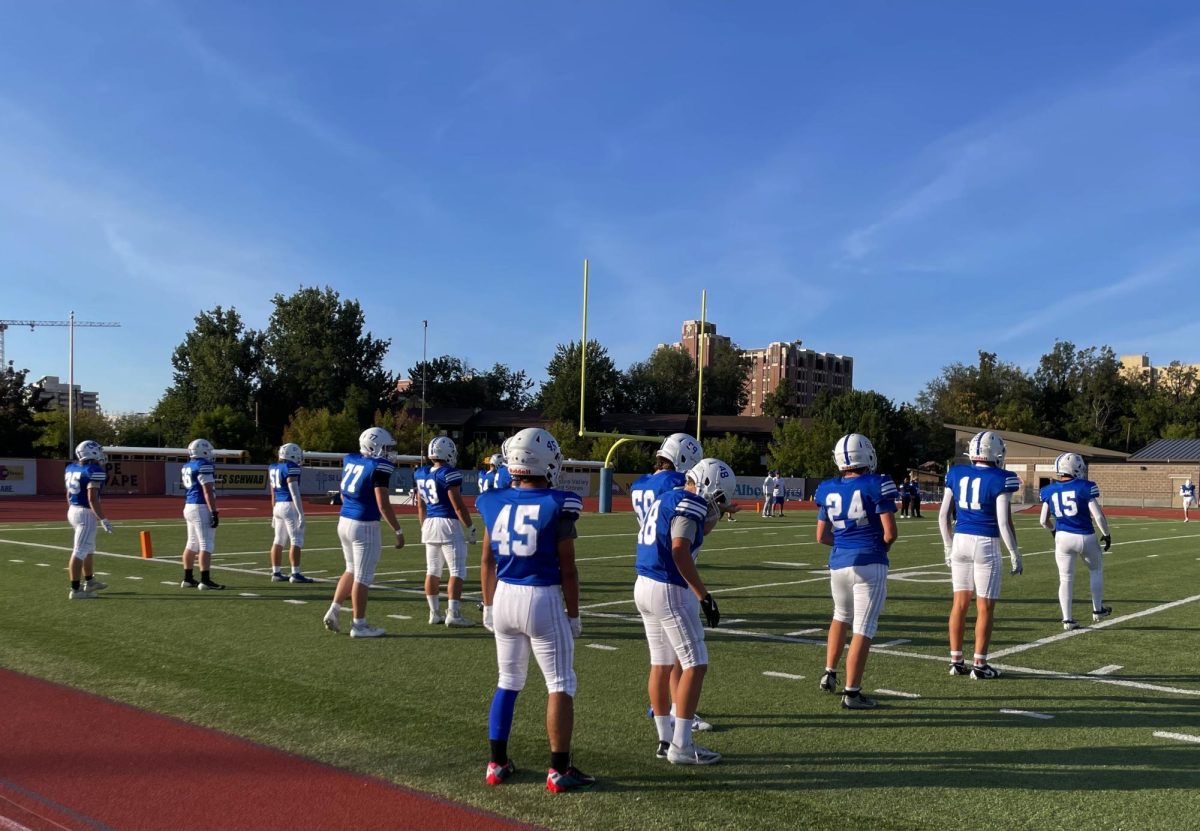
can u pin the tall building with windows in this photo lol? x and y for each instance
(805, 372)
(57, 393)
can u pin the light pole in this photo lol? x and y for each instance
(424, 370)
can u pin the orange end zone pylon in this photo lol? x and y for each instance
(147, 548)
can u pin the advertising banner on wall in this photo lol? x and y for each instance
(18, 477)
(231, 479)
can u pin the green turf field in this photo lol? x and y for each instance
(413, 707)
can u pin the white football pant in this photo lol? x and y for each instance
(289, 527)
(200, 533)
(1067, 547)
(858, 595)
(84, 522)
(975, 565)
(533, 617)
(671, 617)
(361, 547)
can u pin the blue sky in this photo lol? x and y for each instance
(906, 183)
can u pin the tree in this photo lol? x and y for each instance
(558, 397)
(318, 357)
(630, 457)
(736, 451)
(449, 381)
(804, 448)
(225, 427)
(663, 383)
(323, 431)
(19, 403)
(780, 402)
(136, 430)
(993, 394)
(406, 430)
(54, 432)
(219, 362)
(726, 380)
(573, 445)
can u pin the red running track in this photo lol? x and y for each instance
(72, 761)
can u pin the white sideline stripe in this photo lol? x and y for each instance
(1148, 556)
(12, 825)
(401, 617)
(1108, 670)
(898, 693)
(805, 632)
(247, 553)
(1162, 607)
(602, 646)
(232, 565)
(42, 565)
(21, 561)
(896, 642)
(1181, 737)
(103, 573)
(133, 578)
(247, 594)
(778, 563)
(786, 675)
(296, 602)
(1027, 714)
(168, 582)
(736, 620)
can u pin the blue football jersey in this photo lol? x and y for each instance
(433, 486)
(647, 489)
(1069, 504)
(975, 488)
(484, 480)
(194, 474)
(522, 528)
(852, 505)
(79, 476)
(361, 475)
(280, 474)
(1188, 490)
(654, 557)
(501, 478)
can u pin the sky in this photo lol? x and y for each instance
(906, 183)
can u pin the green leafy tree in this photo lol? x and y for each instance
(803, 447)
(54, 437)
(726, 380)
(219, 362)
(406, 430)
(135, 430)
(20, 402)
(572, 444)
(780, 403)
(225, 427)
(736, 451)
(663, 383)
(449, 381)
(322, 431)
(630, 457)
(558, 397)
(993, 394)
(318, 356)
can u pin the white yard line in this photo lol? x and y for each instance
(787, 675)
(897, 642)
(1108, 670)
(1027, 714)
(296, 602)
(898, 693)
(805, 632)
(602, 646)
(1180, 737)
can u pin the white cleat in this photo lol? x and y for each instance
(436, 619)
(81, 594)
(699, 725)
(694, 755)
(331, 621)
(366, 631)
(458, 621)
(94, 585)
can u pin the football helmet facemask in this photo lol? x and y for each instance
(714, 480)
(89, 451)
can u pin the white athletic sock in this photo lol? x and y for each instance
(360, 621)
(434, 605)
(335, 608)
(454, 607)
(683, 733)
(663, 725)
(295, 569)
(955, 657)
(980, 660)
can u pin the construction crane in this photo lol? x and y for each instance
(71, 324)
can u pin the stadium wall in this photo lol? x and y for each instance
(1149, 485)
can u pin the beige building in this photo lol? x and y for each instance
(1139, 368)
(58, 394)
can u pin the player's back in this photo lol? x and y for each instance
(358, 488)
(647, 489)
(191, 474)
(1068, 502)
(433, 489)
(523, 526)
(78, 477)
(655, 557)
(853, 506)
(280, 473)
(975, 489)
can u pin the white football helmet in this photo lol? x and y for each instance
(854, 451)
(986, 447)
(496, 460)
(291, 452)
(681, 450)
(89, 451)
(533, 452)
(442, 449)
(201, 449)
(1187, 482)
(375, 443)
(1070, 464)
(714, 480)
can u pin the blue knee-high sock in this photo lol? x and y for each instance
(501, 717)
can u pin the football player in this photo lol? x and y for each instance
(905, 499)
(85, 479)
(440, 510)
(531, 600)
(856, 515)
(670, 595)
(768, 492)
(914, 494)
(980, 493)
(1187, 492)
(366, 477)
(678, 454)
(1074, 502)
(287, 512)
(496, 475)
(200, 514)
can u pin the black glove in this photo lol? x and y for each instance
(711, 613)
(1053, 531)
(215, 520)
(1107, 540)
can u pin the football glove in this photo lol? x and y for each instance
(1015, 560)
(214, 520)
(1054, 532)
(711, 613)
(1107, 541)
(474, 538)
(487, 618)
(576, 626)
(946, 550)
(106, 525)
(399, 537)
